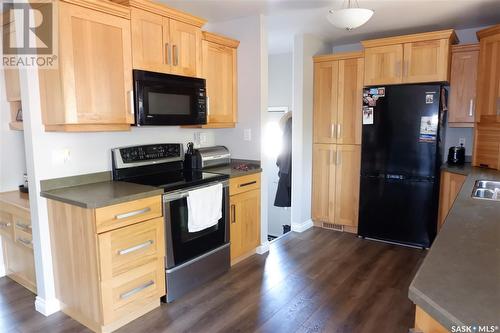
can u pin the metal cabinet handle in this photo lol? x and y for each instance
(233, 214)
(246, 184)
(23, 226)
(208, 106)
(167, 54)
(176, 55)
(135, 248)
(339, 131)
(26, 242)
(133, 213)
(4, 224)
(332, 130)
(136, 290)
(130, 94)
(471, 106)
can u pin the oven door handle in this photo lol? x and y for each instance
(184, 193)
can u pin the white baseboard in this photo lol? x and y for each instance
(302, 226)
(263, 248)
(47, 307)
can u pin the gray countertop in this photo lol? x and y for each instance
(101, 194)
(459, 169)
(459, 280)
(237, 168)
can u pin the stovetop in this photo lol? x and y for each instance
(177, 179)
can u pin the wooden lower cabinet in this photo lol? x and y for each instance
(335, 186)
(15, 231)
(451, 183)
(121, 275)
(244, 217)
(424, 323)
(487, 145)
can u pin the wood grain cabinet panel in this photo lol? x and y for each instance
(347, 180)
(384, 65)
(463, 80)
(245, 223)
(323, 182)
(219, 68)
(451, 183)
(487, 145)
(325, 101)
(186, 48)
(350, 84)
(92, 88)
(426, 61)
(488, 82)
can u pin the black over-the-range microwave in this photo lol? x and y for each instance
(164, 99)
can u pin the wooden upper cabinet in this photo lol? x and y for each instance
(150, 33)
(462, 98)
(338, 85)
(91, 89)
(186, 48)
(350, 94)
(414, 58)
(164, 40)
(488, 82)
(325, 101)
(383, 64)
(219, 68)
(426, 61)
(323, 182)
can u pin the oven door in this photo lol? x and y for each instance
(163, 99)
(182, 245)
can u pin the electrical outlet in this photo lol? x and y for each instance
(203, 138)
(247, 134)
(61, 156)
(461, 141)
(197, 139)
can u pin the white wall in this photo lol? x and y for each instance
(280, 94)
(305, 47)
(12, 157)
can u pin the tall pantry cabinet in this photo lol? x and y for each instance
(338, 85)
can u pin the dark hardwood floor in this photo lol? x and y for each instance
(317, 281)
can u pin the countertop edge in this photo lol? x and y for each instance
(93, 205)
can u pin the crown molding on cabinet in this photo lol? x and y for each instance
(338, 56)
(488, 31)
(219, 39)
(420, 37)
(107, 7)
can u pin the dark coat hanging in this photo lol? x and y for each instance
(284, 163)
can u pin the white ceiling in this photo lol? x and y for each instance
(289, 17)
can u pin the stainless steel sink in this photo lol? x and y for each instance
(486, 190)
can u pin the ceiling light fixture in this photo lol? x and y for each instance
(350, 17)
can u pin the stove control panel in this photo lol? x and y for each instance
(147, 154)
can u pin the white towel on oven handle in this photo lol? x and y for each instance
(204, 207)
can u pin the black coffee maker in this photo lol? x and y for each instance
(456, 155)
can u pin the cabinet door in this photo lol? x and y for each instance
(186, 48)
(96, 66)
(350, 96)
(325, 101)
(150, 36)
(323, 182)
(245, 222)
(383, 64)
(463, 88)
(219, 70)
(488, 82)
(11, 75)
(426, 61)
(451, 183)
(487, 145)
(348, 166)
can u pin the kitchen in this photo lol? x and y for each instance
(60, 154)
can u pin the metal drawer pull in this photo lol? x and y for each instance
(4, 224)
(26, 242)
(135, 248)
(23, 226)
(249, 183)
(233, 214)
(134, 213)
(136, 290)
(167, 54)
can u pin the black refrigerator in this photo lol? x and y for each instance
(402, 149)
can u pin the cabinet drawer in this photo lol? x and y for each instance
(133, 290)
(6, 229)
(127, 213)
(244, 183)
(23, 238)
(127, 248)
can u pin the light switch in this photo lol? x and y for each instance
(461, 141)
(247, 134)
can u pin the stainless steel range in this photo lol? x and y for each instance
(192, 258)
